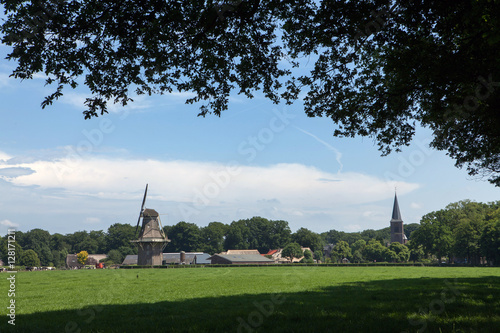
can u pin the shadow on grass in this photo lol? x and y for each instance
(400, 305)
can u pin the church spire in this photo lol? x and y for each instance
(396, 214)
(397, 228)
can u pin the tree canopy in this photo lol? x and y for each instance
(381, 68)
(29, 258)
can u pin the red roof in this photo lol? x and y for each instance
(270, 253)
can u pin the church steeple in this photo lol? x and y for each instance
(397, 229)
(396, 214)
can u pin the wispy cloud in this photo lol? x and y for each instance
(92, 220)
(338, 154)
(77, 100)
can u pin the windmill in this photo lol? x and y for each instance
(152, 239)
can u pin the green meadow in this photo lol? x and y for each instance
(256, 299)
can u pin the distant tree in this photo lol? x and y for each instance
(332, 236)
(352, 237)
(59, 258)
(291, 251)
(59, 242)
(77, 239)
(308, 257)
(308, 238)
(368, 234)
(467, 240)
(402, 252)
(237, 236)
(490, 238)
(340, 251)
(279, 234)
(99, 238)
(389, 255)
(357, 256)
(186, 237)
(383, 235)
(435, 234)
(318, 255)
(374, 250)
(38, 240)
(416, 251)
(46, 256)
(115, 256)
(259, 233)
(409, 228)
(82, 257)
(357, 250)
(126, 250)
(29, 258)
(119, 235)
(213, 237)
(359, 245)
(88, 244)
(5, 250)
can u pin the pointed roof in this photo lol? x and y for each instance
(396, 214)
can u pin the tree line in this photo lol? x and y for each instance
(464, 231)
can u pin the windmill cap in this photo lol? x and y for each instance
(150, 213)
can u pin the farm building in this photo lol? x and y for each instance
(174, 258)
(93, 259)
(279, 259)
(241, 252)
(240, 259)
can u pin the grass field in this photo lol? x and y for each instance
(257, 299)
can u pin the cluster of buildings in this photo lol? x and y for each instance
(152, 240)
(230, 257)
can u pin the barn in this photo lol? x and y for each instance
(240, 259)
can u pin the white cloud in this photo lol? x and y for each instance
(278, 191)
(7, 223)
(4, 157)
(415, 205)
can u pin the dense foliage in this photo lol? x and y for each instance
(463, 232)
(380, 67)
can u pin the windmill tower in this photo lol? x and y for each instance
(152, 239)
(397, 228)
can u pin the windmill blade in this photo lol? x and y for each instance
(144, 200)
(142, 209)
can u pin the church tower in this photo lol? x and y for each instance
(397, 229)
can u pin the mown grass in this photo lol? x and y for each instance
(257, 299)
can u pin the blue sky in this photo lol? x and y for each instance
(62, 173)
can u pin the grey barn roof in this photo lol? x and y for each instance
(130, 259)
(173, 258)
(244, 258)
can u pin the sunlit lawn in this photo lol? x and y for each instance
(257, 299)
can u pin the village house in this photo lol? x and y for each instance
(276, 255)
(93, 259)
